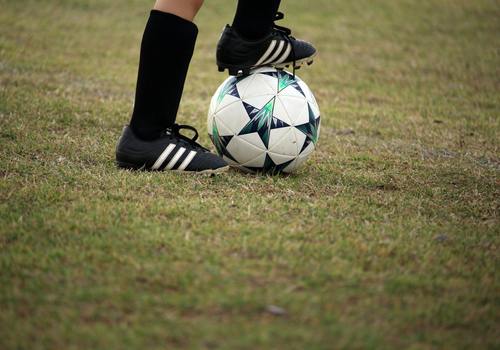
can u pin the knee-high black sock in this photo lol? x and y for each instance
(166, 50)
(254, 18)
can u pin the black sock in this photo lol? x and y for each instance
(166, 50)
(254, 18)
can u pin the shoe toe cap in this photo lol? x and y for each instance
(304, 49)
(206, 161)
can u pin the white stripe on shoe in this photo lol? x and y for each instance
(186, 161)
(285, 54)
(163, 156)
(267, 53)
(174, 160)
(276, 53)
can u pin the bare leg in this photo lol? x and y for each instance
(186, 9)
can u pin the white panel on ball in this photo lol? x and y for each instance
(291, 91)
(244, 84)
(221, 126)
(310, 97)
(280, 158)
(300, 138)
(265, 84)
(227, 101)
(245, 148)
(258, 101)
(257, 162)
(239, 117)
(280, 141)
(294, 109)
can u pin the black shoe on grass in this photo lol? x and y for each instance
(278, 49)
(172, 151)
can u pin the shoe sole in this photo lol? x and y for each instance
(241, 71)
(208, 171)
(128, 166)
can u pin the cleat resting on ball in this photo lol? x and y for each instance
(278, 49)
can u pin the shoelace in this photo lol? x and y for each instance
(175, 131)
(287, 34)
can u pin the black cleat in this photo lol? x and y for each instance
(172, 151)
(278, 49)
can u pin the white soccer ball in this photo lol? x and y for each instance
(268, 121)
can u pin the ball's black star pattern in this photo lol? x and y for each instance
(270, 167)
(310, 129)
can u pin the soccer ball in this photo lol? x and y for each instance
(267, 121)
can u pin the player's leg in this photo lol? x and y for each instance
(166, 51)
(254, 40)
(186, 9)
(254, 19)
(153, 140)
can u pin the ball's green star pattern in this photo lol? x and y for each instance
(262, 121)
(310, 129)
(229, 89)
(220, 142)
(285, 80)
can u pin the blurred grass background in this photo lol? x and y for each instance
(387, 238)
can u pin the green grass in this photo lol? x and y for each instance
(387, 238)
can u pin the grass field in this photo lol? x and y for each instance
(388, 238)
